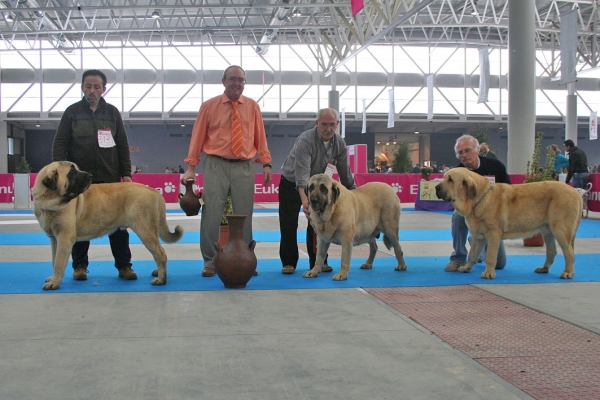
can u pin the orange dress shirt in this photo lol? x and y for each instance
(212, 131)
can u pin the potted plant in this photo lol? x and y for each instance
(224, 228)
(535, 173)
(23, 167)
(426, 173)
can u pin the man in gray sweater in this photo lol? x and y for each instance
(318, 150)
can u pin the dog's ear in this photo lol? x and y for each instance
(335, 192)
(50, 180)
(471, 187)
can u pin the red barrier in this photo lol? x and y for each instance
(405, 185)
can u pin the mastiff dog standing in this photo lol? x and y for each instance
(501, 211)
(69, 208)
(352, 217)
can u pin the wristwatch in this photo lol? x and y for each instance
(267, 165)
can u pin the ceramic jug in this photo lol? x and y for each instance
(235, 262)
(190, 201)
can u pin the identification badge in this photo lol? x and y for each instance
(105, 139)
(330, 170)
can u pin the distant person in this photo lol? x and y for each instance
(416, 169)
(484, 151)
(167, 170)
(467, 151)
(560, 161)
(91, 134)
(315, 151)
(181, 170)
(578, 168)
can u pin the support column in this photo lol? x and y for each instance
(571, 122)
(521, 85)
(334, 95)
(3, 146)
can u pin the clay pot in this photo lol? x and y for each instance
(190, 201)
(235, 263)
(426, 177)
(536, 240)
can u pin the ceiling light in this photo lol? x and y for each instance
(155, 14)
(9, 18)
(416, 132)
(37, 125)
(378, 142)
(474, 12)
(182, 125)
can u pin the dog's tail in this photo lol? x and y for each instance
(387, 241)
(168, 236)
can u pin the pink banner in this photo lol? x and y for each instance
(166, 184)
(405, 185)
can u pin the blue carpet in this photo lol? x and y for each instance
(589, 229)
(26, 278)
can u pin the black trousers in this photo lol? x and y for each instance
(119, 245)
(289, 208)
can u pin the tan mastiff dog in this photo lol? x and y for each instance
(352, 217)
(502, 211)
(69, 209)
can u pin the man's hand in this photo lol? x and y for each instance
(127, 179)
(306, 209)
(267, 175)
(189, 174)
(305, 205)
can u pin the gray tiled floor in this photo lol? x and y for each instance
(278, 344)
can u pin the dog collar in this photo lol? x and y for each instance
(482, 197)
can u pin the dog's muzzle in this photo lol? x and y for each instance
(441, 193)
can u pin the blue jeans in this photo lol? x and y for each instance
(580, 179)
(459, 242)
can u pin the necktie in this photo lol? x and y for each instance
(236, 130)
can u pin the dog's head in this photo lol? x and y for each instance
(322, 192)
(60, 182)
(458, 187)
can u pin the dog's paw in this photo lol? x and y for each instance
(52, 283)
(158, 282)
(310, 274)
(464, 268)
(340, 277)
(543, 270)
(567, 275)
(400, 268)
(488, 274)
(366, 266)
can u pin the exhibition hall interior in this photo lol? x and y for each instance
(414, 73)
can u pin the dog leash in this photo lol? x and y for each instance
(482, 197)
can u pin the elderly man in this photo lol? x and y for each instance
(467, 151)
(318, 150)
(484, 151)
(230, 131)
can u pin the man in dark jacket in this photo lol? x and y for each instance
(92, 135)
(578, 168)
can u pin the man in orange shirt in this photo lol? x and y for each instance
(229, 161)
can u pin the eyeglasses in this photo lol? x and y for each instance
(328, 124)
(465, 151)
(234, 80)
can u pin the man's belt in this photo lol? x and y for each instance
(231, 159)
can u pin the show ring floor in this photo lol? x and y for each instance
(382, 334)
